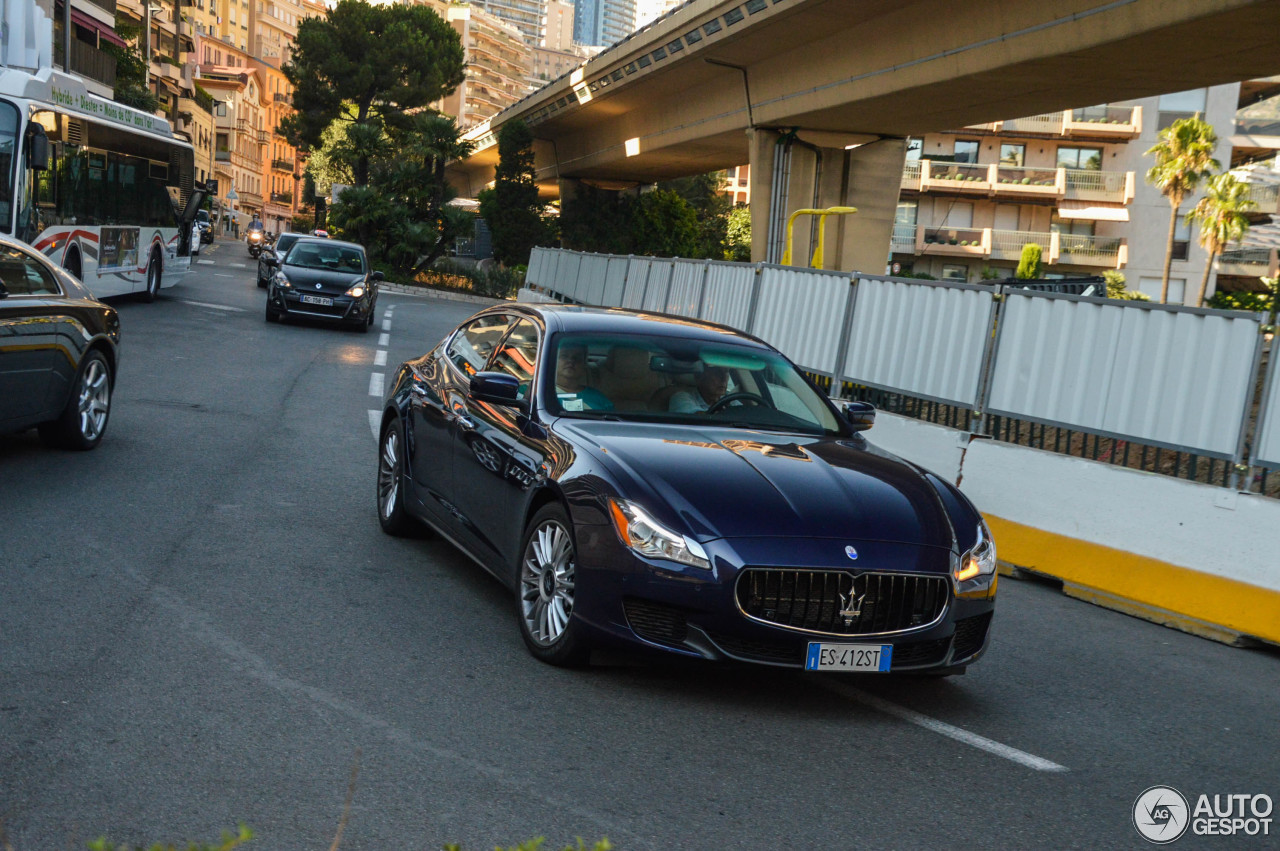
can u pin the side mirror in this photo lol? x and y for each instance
(377, 276)
(38, 150)
(861, 415)
(271, 259)
(496, 387)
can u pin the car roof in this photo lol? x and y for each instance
(578, 318)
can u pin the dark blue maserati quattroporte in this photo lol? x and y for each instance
(654, 482)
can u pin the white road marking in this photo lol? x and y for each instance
(384, 340)
(222, 275)
(375, 384)
(942, 728)
(237, 265)
(205, 262)
(375, 419)
(380, 358)
(386, 325)
(214, 306)
(387, 313)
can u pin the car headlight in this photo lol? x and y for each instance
(647, 537)
(980, 561)
(282, 280)
(356, 291)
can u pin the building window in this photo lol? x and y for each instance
(1180, 105)
(1089, 159)
(955, 272)
(1075, 227)
(966, 151)
(914, 147)
(1015, 155)
(1181, 239)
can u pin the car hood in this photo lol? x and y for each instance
(736, 483)
(330, 283)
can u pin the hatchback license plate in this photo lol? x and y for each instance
(315, 299)
(875, 658)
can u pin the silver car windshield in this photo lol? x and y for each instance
(664, 379)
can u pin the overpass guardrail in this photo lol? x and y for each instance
(1161, 388)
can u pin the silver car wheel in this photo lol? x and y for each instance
(547, 583)
(95, 400)
(389, 473)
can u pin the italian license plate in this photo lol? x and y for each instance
(874, 658)
(316, 299)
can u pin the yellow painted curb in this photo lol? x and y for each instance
(1200, 603)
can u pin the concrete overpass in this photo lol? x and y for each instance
(818, 95)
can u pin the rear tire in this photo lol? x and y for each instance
(74, 266)
(83, 421)
(546, 590)
(392, 515)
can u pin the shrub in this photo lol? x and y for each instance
(492, 282)
(1029, 266)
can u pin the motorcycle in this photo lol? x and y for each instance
(257, 241)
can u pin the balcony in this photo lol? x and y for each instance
(281, 97)
(283, 165)
(1019, 182)
(261, 136)
(1248, 262)
(1266, 199)
(1104, 122)
(1049, 123)
(991, 244)
(967, 178)
(242, 126)
(285, 198)
(222, 156)
(88, 61)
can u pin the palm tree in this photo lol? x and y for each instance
(1184, 156)
(1221, 216)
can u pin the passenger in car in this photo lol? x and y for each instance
(710, 385)
(571, 382)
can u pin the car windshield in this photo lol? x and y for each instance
(285, 240)
(665, 379)
(326, 255)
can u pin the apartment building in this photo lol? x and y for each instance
(1072, 182)
(528, 16)
(600, 23)
(1255, 158)
(499, 64)
(93, 25)
(273, 28)
(241, 134)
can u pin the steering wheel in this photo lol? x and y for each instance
(737, 397)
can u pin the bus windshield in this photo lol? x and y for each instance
(8, 147)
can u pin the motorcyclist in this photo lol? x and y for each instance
(255, 235)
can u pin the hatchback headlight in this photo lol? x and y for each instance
(356, 291)
(282, 280)
(647, 537)
(980, 561)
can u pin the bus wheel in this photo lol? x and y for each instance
(154, 273)
(73, 265)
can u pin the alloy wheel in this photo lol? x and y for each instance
(95, 400)
(547, 583)
(389, 473)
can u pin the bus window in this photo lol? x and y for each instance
(8, 146)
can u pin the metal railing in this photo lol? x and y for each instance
(960, 237)
(1049, 122)
(1081, 247)
(282, 165)
(282, 197)
(1008, 244)
(957, 173)
(1105, 114)
(222, 156)
(88, 61)
(1019, 176)
(1266, 197)
(1246, 257)
(1090, 185)
(904, 236)
(911, 174)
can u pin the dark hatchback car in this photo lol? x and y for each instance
(654, 482)
(279, 249)
(323, 279)
(59, 347)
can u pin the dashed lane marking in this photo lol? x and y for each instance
(943, 728)
(213, 306)
(386, 325)
(374, 419)
(375, 384)
(380, 358)
(238, 265)
(384, 340)
(205, 262)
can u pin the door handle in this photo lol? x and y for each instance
(466, 423)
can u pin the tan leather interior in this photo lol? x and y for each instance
(627, 379)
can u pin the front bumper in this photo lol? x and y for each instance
(344, 308)
(694, 612)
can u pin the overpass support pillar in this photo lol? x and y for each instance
(794, 170)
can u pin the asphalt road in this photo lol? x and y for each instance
(201, 624)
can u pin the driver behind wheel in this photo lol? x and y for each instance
(710, 385)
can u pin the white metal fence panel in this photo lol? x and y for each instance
(528, 296)
(591, 277)
(535, 275)
(1266, 443)
(637, 280)
(655, 291)
(1169, 377)
(685, 293)
(615, 280)
(800, 312)
(565, 280)
(727, 293)
(922, 339)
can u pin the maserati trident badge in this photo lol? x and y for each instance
(851, 605)
(851, 553)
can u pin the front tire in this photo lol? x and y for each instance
(155, 272)
(547, 589)
(273, 315)
(83, 421)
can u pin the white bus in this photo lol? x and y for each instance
(105, 191)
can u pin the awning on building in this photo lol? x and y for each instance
(1092, 212)
(105, 32)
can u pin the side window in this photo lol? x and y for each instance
(472, 346)
(23, 275)
(518, 354)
